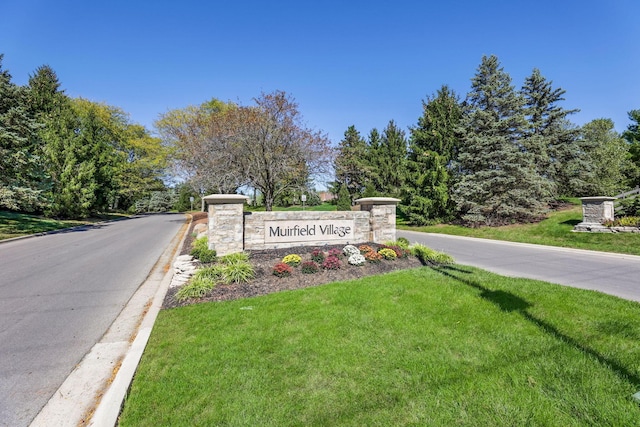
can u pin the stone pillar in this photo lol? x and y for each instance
(383, 217)
(595, 211)
(226, 222)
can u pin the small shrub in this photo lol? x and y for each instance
(388, 254)
(357, 259)
(331, 263)
(350, 250)
(282, 270)
(335, 252)
(309, 267)
(628, 221)
(238, 257)
(400, 252)
(238, 272)
(373, 257)
(365, 248)
(403, 242)
(214, 273)
(430, 256)
(317, 256)
(202, 252)
(293, 260)
(197, 287)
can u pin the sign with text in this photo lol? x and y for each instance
(308, 231)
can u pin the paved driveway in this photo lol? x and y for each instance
(59, 293)
(606, 272)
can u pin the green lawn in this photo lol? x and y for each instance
(441, 347)
(553, 231)
(322, 207)
(15, 225)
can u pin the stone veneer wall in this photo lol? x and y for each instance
(595, 212)
(231, 230)
(254, 227)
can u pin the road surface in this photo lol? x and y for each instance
(614, 274)
(59, 293)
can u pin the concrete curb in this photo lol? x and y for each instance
(93, 393)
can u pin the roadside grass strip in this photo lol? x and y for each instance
(452, 345)
(556, 230)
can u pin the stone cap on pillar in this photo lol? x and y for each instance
(225, 199)
(378, 201)
(597, 199)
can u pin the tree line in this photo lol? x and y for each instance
(499, 156)
(70, 157)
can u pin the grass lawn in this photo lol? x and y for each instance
(15, 225)
(446, 346)
(553, 231)
(322, 207)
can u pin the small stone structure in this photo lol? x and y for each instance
(232, 230)
(595, 212)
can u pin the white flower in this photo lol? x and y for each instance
(350, 250)
(357, 259)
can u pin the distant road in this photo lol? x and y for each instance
(614, 274)
(59, 293)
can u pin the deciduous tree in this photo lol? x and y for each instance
(609, 155)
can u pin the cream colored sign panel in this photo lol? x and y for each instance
(308, 231)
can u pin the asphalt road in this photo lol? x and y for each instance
(613, 274)
(59, 293)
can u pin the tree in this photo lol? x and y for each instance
(277, 151)
(632, 136)
(608, 154)
(18, 163)
(551, 139)
(432, 145)
(205, 142)
(498, 182)
(344, 199)
(390, 158)
(351, 167)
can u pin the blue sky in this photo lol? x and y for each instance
(345, 62)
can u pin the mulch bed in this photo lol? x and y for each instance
(265, 282)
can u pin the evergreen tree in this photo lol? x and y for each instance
(433, 144)
(609, 155)
(18, 165)
(374, 183)
(551, 139)
(632, 136)
(344, 199)
(498, 182)
(391, 158)
(351, 163)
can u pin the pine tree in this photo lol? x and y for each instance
(632, 136)
(391, 158)
(498, 182)
(433, 144)
(351, 166)
(18, 165)
(551, 139)
(374, 184)
(344, 199)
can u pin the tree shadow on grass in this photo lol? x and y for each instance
(571, 222)
(509, 302)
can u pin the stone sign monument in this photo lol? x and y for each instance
(232, 230)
